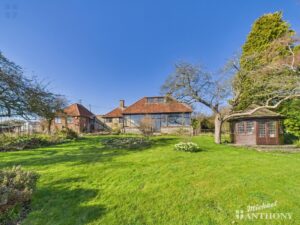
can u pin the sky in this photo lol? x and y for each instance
(100, 51)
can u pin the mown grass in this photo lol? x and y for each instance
(83, 183)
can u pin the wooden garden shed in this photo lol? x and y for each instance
(262, 127)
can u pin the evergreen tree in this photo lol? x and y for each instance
(265, 31)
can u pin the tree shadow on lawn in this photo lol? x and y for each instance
(77, 153)
(52, 205)
(82, 154)
(165, 141)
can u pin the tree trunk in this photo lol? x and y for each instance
(49, 126)
(218, 126)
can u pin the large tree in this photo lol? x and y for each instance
(274, 79)
(192, 84)
(269, 68)
(261, 49)
(21, 96)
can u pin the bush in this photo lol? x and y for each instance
(16, 188)
(10, 142)
(126, 142)
(289, 138)
(146, 126)
(187, 147)
(298, 143)
(68, 133)
(116, 131)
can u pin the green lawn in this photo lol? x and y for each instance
(82, 183)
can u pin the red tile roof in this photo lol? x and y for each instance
(78, 110)
(117, 112)
(170, 106)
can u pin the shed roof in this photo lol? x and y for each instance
(260, 113)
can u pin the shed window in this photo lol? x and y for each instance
(262, 129)
(250, 127)
(241, 128)
(280, 127)
(272, 129)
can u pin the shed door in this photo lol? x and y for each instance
(267, 132)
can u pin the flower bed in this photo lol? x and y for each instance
(10, 142)
(126, 142)
(187, 147)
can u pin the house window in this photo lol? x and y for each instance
(135, 120)
(241, 128)
(155, 100)
(57, 120)
(164, 120)
(187, 119)
(175, 120)
(121, 120)
(250, 127)
(272, 129)
(262, 129)
(69, 119)
(108, 120)
(126, 121)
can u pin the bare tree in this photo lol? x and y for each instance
(145, 126)
(49, 107)
(21, 96)
(191, 84)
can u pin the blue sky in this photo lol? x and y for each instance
(103, 51)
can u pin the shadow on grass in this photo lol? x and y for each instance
(165, 141)
(52, 205)
(81, 152)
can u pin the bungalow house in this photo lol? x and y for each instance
(114, 119)
(77, 118)
(167, 115)
(262, 127)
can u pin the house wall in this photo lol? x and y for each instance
(177, 130)
(132, 130)
(131, 125)
(115, 124)
(79, 124)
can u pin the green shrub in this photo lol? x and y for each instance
(10, 142)
(289, 138)
(298, 143)
(16, 188)
(126, 142)
(68, 133)
(182, 132)
(116, 131)
(187, 147)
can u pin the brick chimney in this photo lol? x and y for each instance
(122, 104)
